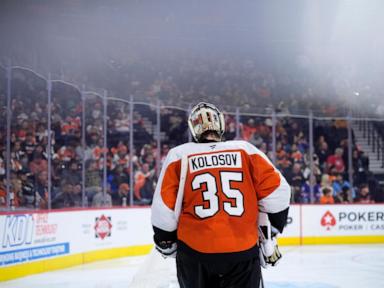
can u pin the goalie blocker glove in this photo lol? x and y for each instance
(165, 242)
(271, 259)
(269, 250)
(167, 248)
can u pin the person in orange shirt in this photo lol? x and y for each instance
(211, 199)
(327, 197)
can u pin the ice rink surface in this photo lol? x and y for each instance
(301, 267)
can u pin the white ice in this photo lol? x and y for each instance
(346, 266)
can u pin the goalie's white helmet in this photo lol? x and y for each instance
(205, 117)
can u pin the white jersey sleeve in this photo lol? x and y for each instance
(164, 208)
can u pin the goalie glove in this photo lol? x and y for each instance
(166, 248)
(269, 250)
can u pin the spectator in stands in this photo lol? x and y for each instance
(315, 169)
(296, 155)
(335, 162)
(323, 153)
(22, 129)
(344, 196)
(29, 144)
(296, 180)
(117, 176)
(164, 153)
(230, 133)
(3, 193)
(28, 188)
(66, 153)
(121, 197)
(96, 110)
(150, 160)
(293, 131)
(72, 173)
(144, 184)
(260, 135)
(16, 194)
(176, 129)
(41, 132)
(2, 164)
(326, 181)
(338, 184)
(64, 198)
(305, 195)
(281, 150)
(360, 167)
(38, 164)
(376, 191)
(40, 149)
(78, 197)
(17, 152)
(248, 129)
(364, 196)
(92, 179)
(283, 161)
(285, 165)
(41, 194)
(102, 199)
(121, 157)
(70, 125)
(145, 151)
(302, 143)
(327, 197)
(121, 123)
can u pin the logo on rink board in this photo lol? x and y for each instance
(103, 227)
(353, 220)
(215, 160)
(328, 220)
(17, 230)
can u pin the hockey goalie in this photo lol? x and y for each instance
(218, 207)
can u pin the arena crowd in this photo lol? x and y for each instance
(225, 83)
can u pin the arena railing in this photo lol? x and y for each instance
(90, 134)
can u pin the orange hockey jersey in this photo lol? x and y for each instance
(211, 194)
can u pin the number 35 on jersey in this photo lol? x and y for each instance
(212, 174)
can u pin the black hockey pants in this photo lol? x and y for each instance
(192, 273)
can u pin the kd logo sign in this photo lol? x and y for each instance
(18, 230)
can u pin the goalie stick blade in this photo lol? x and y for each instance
(155, 272)
(261, 280)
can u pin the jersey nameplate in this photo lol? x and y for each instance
(215, 160)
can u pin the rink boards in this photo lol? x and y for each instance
(40, 241)
(334, 224)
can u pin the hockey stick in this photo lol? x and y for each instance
(154, 272)
(157, 271)
(180, 191)
(261, 279)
